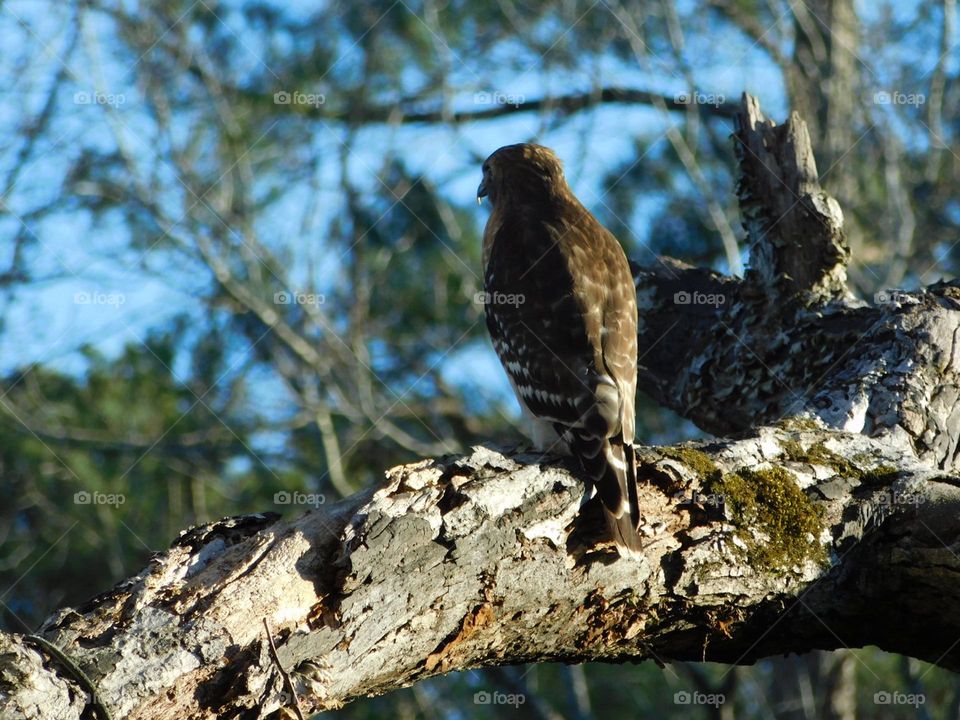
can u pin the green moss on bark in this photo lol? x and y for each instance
(772, 502)
(799, 424)
(820, 454)
(696, 460)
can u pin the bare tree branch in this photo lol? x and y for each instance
(409, 110)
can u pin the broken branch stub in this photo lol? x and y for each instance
(794, 227)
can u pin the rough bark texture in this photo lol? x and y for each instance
(787, 340)
(833, 527)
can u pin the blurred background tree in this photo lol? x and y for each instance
(244, 260)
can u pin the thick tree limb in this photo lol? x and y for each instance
(786, 340)
(833, 528)
(480, 560)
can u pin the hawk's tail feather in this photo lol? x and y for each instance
(610, 465)
(631, 456)
(624, 534)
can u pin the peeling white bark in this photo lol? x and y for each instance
(491, 559)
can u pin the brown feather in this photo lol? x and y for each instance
(562, 314)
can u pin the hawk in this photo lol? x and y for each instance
(561, 309)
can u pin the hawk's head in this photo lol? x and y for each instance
(524, 173)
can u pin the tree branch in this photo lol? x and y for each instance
(489, 559)
(411, 110)
(794, 227)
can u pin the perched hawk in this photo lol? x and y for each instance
(561, 308)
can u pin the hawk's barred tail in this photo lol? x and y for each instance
(625, 529)
(610, 465)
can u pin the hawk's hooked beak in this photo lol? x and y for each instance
(481, 191)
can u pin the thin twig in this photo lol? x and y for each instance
(283, 673)
(79, 675)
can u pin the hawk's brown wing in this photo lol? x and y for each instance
(535, 321)
(563, 322)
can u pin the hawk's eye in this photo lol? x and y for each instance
(486, 168)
